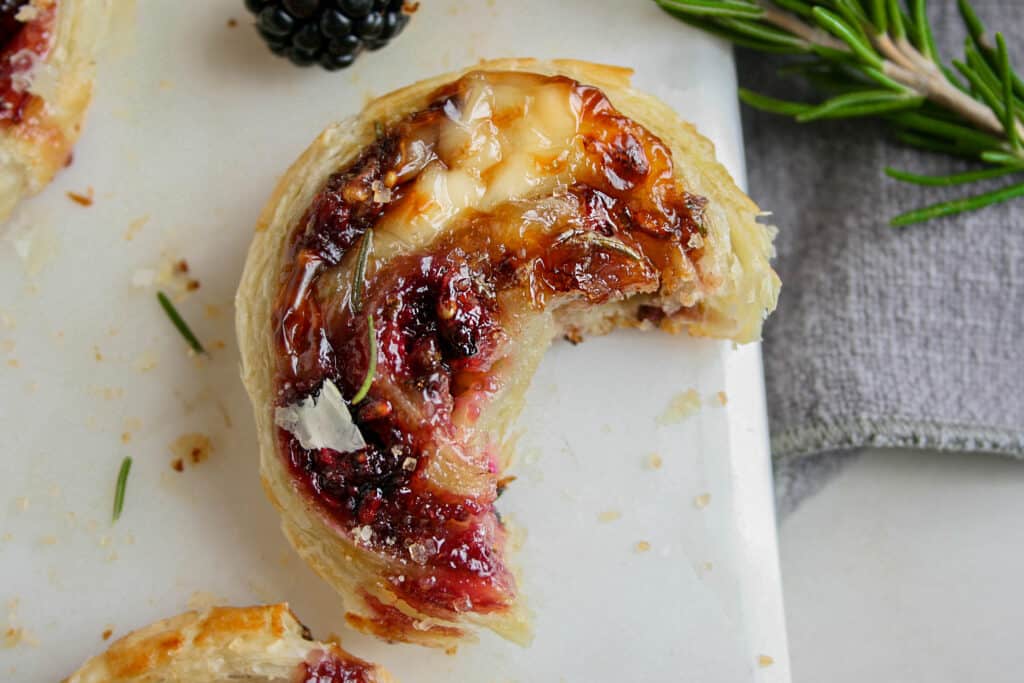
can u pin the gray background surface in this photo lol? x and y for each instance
(883, 337)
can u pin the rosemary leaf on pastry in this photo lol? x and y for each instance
(359, 277)
(371, 370)
(179, 323)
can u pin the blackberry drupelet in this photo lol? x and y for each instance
(330, 33)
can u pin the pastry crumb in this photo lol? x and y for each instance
(178, 465)
(14, 363)
(82, 199)
(764, 661)
(609, 516)
(654, 461)
(642, 546)
(145, 362)
(679, 408)
(126, 437)
(97, 354)
(232, 22)
(195, 448)
(722, 398)
(107, 632)
(134, 227)
(702, 501)
(48, 540)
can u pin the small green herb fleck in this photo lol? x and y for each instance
(371, 370)
(179, 323)
(122, 482)
(359, 276)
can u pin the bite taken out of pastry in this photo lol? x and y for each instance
(262, 644)
(47, 62)
(407, 275)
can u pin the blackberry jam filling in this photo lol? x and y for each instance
(25, 37)
(447, 309)
(332, 669)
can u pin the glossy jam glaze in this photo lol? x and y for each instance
(22, 44)
(612, 226)
(329, 668)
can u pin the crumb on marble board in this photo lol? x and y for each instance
(680, 407)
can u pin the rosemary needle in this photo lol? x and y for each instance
(958, 205)
(359, 276)
(179, 323)
(122, 482)
(371, 369)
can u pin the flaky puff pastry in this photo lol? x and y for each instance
(725, 292)
(38, 142)
(262, 644)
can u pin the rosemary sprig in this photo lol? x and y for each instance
(878, 58)
(359, 276)
(179, 322)
(371, 369)
(122, 483)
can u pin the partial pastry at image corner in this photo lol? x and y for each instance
(260, 644)
(713, 280)
(51, 46)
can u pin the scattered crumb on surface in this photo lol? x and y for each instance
(166, 84)
(764, 661)
(97, 354)
(7, 537)
(82, 199)
(702, 501)
(232, 22)
(642, 546)
(609, 516)
(654, 461)
(14, 363)
(178, 465)
(606, 428)
(134, 227)
(126, 437)
(32, 387)
(7, 345)
(219, 344)
(48, 540)
(21, 503)
(722, 398)
(679, 408)
(145, 362)
(193, 448)
(213, 311)
(54, 490)
(107, 632)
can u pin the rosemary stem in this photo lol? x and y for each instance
(903, 63)
(790, 22)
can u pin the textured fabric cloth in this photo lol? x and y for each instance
(887, 337)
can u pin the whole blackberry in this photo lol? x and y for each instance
(330, 33)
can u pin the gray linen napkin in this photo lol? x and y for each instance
(883, 337)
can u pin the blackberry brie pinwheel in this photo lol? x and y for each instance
(404, 281)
